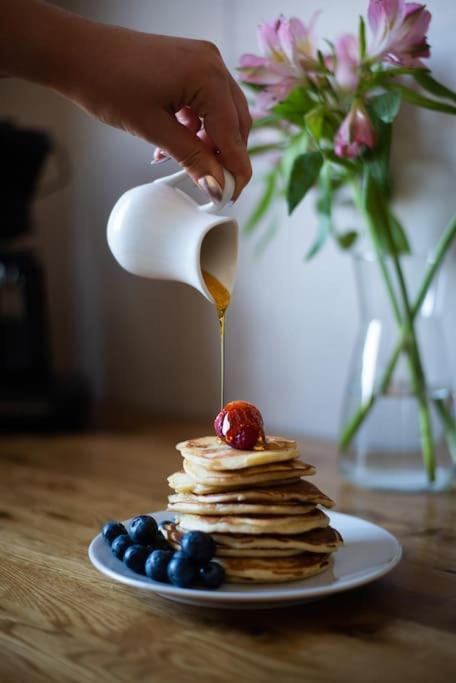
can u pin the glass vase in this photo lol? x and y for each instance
(385, 449)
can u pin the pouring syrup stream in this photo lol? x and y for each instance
(222, 299)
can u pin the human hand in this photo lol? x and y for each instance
(173, 92)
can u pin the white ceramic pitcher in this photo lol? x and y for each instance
(158, 231)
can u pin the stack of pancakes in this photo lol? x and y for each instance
(262, 514)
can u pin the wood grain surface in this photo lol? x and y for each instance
(60, 620)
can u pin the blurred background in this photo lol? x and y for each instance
(292, 324)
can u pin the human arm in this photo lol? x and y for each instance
(134, 81)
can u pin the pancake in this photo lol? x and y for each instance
(213, 454)
(263, 524)
(322, 540)
(259, 474)
(183, 483)
(302, 492)
(274, 569)
(197, 508)
(258, 552)
(256, 505)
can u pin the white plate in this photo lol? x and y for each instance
(369, 552)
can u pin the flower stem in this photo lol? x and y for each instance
(365, 408)
(444, 413)
(406, 326)
(381, 262)
(416, 371)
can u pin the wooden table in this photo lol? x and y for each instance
(62, 621)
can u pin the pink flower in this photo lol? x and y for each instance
(347, 62)
(355, 132)
(261, 105)
(273, 65)
(262, 70)
(268, 98)
(287, 53)
(399, 30)
(297, 44)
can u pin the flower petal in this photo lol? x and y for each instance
(264, 101)
(411, 7)
(400, 31)
(347, 61)
(294, 39)
(268, 39)
(262, 71)
(282, 89)
(375, 16)
(384, 15)
(272, 95)
(355, 132)
(416, 24)
(249, 61)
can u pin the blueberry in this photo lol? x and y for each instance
(182, 570)
(157, 565)
(111, 530)
(212, 575)
(143, 530)
(120, 544)
(135, 557)
(199, 546)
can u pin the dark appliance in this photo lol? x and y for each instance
(32, 396)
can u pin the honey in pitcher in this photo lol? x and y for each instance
(222, 299)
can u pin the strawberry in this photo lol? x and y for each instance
(240, 425)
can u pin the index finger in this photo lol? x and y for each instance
(221, 121)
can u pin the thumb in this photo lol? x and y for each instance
(192, 153)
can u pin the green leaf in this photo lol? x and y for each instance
(314, 120)
(267, 236)
(296, 145)
(387, 231)
(398, 235)
(392, 72)
(347, 239)
(263, 204)
(377, 160)
(288, 114)
(426, 81)
(304, 174)
(270, 121)
(386, 106)
(295, 106)
(330, 44)
(262, 149)
(425, 102)
(321, 61)
(255, 87)
(382, 111)
(362, 39)
(348, 164)
(374, 204)
(324, 210)
(319, 242)
(331, 124)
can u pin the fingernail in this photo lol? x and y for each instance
(209, 184)
(160, 157)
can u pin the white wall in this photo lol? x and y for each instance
(292, 325)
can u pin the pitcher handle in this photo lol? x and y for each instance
(210, 207)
